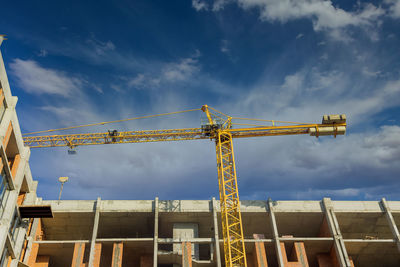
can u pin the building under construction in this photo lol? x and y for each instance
(39, 233)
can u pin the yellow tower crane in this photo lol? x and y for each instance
(219, 127)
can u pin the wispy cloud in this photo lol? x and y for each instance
(323, 14)
(35, 79)
(225, 46)
(199, 5)
(42, 53)
(394, 8)
(167, 73)
(100, 48)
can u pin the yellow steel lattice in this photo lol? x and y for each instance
(229, 200)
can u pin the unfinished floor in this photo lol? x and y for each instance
(285, 233)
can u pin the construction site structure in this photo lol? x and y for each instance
(171, 233)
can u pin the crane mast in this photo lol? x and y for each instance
(219, 129)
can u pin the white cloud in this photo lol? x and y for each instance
(323, 14)
(34, 79)
(42, 53)
(225, 46)
(172, 72)
(199, 5)
(99, 47)
(394, 8)
(300, 35)
(180, 71)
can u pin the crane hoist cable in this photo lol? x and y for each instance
(108, 122)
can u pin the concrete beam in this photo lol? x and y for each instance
(370, 240)
(275, 233)
(216, 234)
(94, 232)
(155, 237)
(333, 224)
(63, 241)
(392, 223)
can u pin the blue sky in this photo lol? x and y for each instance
(74, 63)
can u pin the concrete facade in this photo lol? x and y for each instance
(179, 232)
(16, 184)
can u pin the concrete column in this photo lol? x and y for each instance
(392, 223)
(259, 255)
(30, 240)
(333, 224)
(4, 79)
(8, 214)
(77, 258)
(10, 204)
(155, 238)
(275, 233)
(36, 223)
(19, 242)
(216, 235)
(117, 255)
(94, 232)
(6, 167)
(186, 254)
